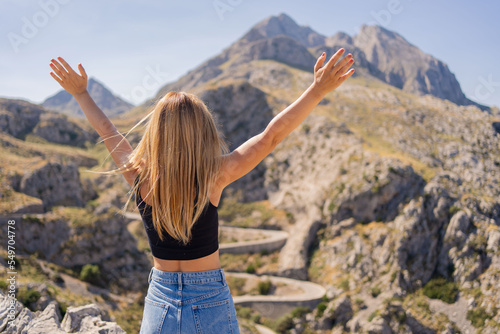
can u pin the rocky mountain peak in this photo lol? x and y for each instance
(111, 104)
(340, 38)
(284, 25)
(401, 64)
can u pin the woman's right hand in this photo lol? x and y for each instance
(72, 82)
(333, 74)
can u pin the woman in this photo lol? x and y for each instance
(178, 172)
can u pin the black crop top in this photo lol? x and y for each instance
(204, 241)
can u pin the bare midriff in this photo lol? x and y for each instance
(209, 262)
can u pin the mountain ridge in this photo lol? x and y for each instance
(379, 53)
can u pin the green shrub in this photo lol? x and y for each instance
(299, 311)
(264, 252)
(478, 316)
(264, 287)
(453, 209)
(375, 291)
(400, 316)
(440, 288)
(321, 309)
(284, 324)
(62, 308)
(58, 279)
(255, 318)
(90, 273)
(244, 312)
(360, 303)
(250, 269)
(27, 297)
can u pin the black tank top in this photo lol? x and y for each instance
(205, 234)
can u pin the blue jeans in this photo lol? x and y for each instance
(188, 302)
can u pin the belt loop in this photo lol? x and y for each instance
(223, 277)
(150, 275)
(179, 280)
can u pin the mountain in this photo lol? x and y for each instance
(284, 25)
(110, 104)
(405, 66)
(379, 53)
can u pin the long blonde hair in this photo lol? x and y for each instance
(182, 149)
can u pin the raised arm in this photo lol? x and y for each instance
(247, 156)
(76, 85)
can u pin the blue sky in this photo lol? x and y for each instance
(136, 46)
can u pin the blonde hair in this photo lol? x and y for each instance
(182, 149)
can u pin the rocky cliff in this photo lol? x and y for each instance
(20, 118)
(405, 66)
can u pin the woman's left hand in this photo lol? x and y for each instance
(72, 82)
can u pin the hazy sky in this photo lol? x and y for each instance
(136, 46)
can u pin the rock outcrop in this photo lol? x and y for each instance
(88, 319)
(57, 129)
(55, 184)
(18, 117)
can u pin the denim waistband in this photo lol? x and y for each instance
(177, 277)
